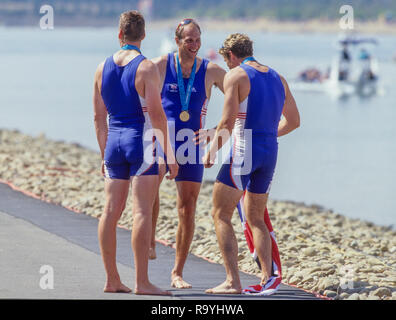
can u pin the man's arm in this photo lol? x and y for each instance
(291, 116)
(217, 75)
(227, 122)
(148, 73)
(160, 63)
(100, 112)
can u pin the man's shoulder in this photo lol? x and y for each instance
(282, 78)
(215, 73)
(101, 65)
(275, 72)
(214, 67)
(160, 60)
(99, 69)
(236, 74)
(284, 82)
(160, 63)
(147, 68)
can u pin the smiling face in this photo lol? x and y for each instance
(190, 41)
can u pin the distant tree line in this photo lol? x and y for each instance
(295, 10)
(276, 9)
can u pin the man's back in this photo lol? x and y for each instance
(123, 103)
(121, 83)
(261, 110)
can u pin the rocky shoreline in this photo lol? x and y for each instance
(321, 251)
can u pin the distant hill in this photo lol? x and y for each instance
(20, 12)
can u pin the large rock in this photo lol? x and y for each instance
(309, 252)
(343, 296)
(354, 296)
(330, 283)
(330, 293)
(382, 292)
(294, 280)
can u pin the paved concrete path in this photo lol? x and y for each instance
(35, 234)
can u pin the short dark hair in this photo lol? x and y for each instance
(239, 44)
(132, 25)
(182, 24)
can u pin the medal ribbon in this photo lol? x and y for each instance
(185, 95)
(131, 47)
(248, 59)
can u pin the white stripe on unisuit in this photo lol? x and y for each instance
(234, 167)
(269, 187)
(239, 130)
(204, 112)
(106, 171)
(238, 146)
(148, 143)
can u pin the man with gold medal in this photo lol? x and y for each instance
(186, 84)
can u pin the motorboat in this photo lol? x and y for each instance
(354, 70)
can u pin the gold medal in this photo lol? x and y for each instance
(184, 116)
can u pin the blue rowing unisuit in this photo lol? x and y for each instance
(128, 121)
(197, 110)
(253, 155)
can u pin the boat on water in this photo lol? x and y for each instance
(354, 70)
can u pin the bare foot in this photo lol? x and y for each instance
(225, 288)
(116, 287)
(151, 289)
(179, 283)
(152, 254)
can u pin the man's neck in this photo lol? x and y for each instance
(186, 62)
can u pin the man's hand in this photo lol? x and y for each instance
(204, 136)
(208, 160)
(173, 171)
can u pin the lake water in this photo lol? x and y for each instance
(342, 157)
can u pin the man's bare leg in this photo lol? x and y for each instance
(144, 190)
(225, 200)
(187, 195)
(255, 204)
(116, 195)
(156, 208)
